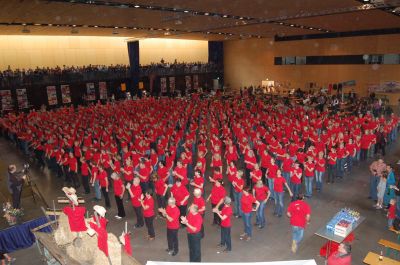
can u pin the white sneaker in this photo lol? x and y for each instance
(118, 217)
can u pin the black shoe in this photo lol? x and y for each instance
(174, 253)
(137, 226)
(226, 250)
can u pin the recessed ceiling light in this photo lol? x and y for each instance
(115, 27)
(96, 26)
(206, 13)
(137, 6)
(219, 33)
(37, 24)
(281, 23)
(49, 25)
(74, 25)
(125, 27)
(186, 11)
(208, 32)
(225, 15)
(134, 28)
(23, 24)
(311, 28)
(241, 18)
(291, 25)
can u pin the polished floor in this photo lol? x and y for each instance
(269, 244)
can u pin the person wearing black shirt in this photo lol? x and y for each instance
(15, 181)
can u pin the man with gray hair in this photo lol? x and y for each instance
(171, 214)
(225, 214)
(201, 205)
(193, 222)
(376, 168)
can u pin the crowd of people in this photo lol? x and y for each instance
(248, 149)
(11, 77)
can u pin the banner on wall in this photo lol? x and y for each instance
(188, 81)
(52, 95)
(163, 84)
(196, 82)
(172, 84)
(91, 92)
(65, 94)
(22, 98)
(103, 90)
(6, 100)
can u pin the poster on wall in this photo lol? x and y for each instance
(65, 94)
(188, 81)
(172, 84)
(163, 84)
(195, 82)
(390, 86)
(22, 98)
(103, 90)
(6, 100)
(91, 92)
(52, 95)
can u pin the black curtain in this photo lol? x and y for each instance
(216, 56)
(133, 52)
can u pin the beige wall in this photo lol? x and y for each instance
(153, 50)
(49, 51)
(247, 62)
(21, 51)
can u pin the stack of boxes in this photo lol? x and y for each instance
(342, 223)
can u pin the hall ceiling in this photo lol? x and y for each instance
(196, 19)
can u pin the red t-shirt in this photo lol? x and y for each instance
(137, 192)
(118, 187)
(145, 172)
(102, 177)
(392, 212)
(76, 218)
(194, 220)
(318, 164)
(160, 187)
(298, 210)
(294, 179)
(332, 158)
(85, 169)
(239, 182)
(287, 164)
(199, 181)
(227, 211)
(174, 213)
(179, 194)
(73, 163)
(256, 175)
(247, 203)
(129, 175)
(272, 169)
(278, 184)
(217, 193)
(261, 192)
(309, 172)
(149, 212)
(200, 203)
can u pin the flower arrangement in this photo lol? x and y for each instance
(11, 214)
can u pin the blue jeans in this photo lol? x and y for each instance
(260, 216)
(295, 189)
(340, 167)
(271, 188)
(350, 163)
(278, 203)
(97, 190)
(373, 184)
(309, 183)
(247, 223)
(237, 208)
(297, 234)
(286, 175)
(319, 179)
(390, 223)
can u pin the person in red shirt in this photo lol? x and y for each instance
(198, 181)
(319, 170)
(261, 193)
(217, 196)
(299, 213)
(237, 184)
(135, 192)
(147, 203)
(271, 175)
(161, 189)
(103, 181)
(181, 195)
(225, 214)
(295, 180)
(144, 174)
(193, 222)
(332, 165)
(171, 214)
(309, 172)
(85, 175)
(342, 256)
(250, 160)
(256, 175)
(286, 167)
(279, 183)
(201, 205)
(247, 202)
(119, 190)
(94, 171)
(128, 171)
(180, 172)
(391, 215)
(73, 170)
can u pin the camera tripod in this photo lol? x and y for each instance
(35, 190)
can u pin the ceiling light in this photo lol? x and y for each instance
(311, 28)
(23, 24)
(37, 24)
(74, 25)
(219, 33)
(95, 26)
(225, 15)
(206, 14)
(134, 28)
(241, 18)
(208, 32)
(291, 25)
(281, 23)
(125, 27)
(137, 6)
(186, 11)
(115, 27)
(49, 25)
(167, 33)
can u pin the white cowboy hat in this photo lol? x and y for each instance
(74, 199)
(68, 191)
(71, 194)
(100, 210)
